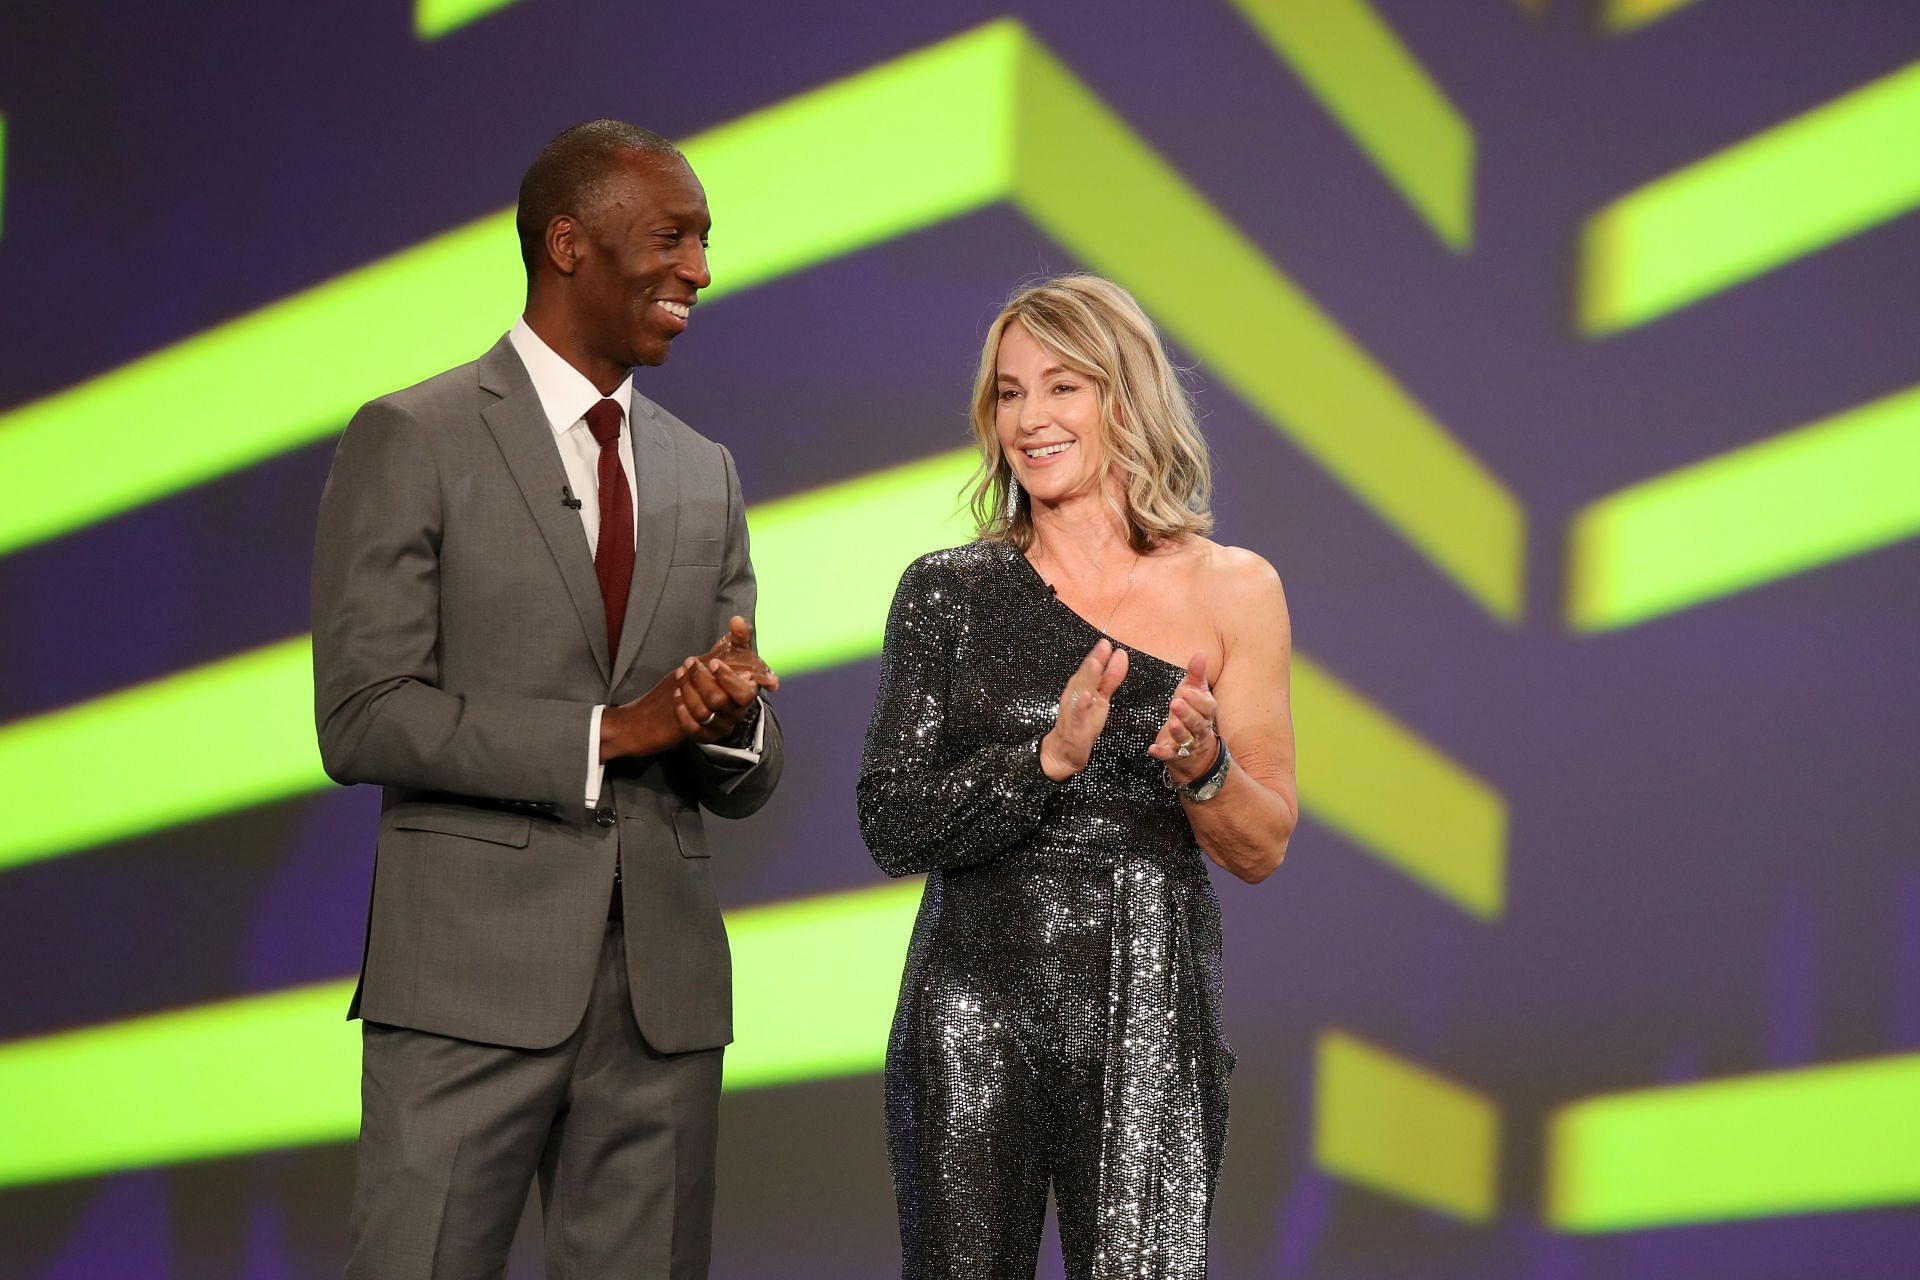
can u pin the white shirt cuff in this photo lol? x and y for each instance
(749, 755)
(596, 771)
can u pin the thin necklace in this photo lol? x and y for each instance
(1124, 593)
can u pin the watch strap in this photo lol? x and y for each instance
(1208, 786)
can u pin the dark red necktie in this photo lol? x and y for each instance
(613, 554)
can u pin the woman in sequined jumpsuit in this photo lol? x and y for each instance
(1059, 1018)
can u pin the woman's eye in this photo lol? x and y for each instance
(1009, 394)
(1064, 388)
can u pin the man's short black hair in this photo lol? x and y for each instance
(570, 176)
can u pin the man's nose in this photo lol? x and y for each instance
(693, 267)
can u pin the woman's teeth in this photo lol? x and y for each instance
(1048, 450)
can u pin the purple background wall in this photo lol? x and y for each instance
(1713, 837)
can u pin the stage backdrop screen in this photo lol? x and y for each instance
(1559, 353)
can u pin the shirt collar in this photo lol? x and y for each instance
(565, 394)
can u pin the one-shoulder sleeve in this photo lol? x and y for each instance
(923, 805)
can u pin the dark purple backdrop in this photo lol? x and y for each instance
(1713, 837)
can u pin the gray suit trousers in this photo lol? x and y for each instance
(454, 1132)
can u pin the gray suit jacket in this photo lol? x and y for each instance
(459, 646)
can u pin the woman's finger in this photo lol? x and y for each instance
(1086, 676)
(1198, 701)
(1191, 723)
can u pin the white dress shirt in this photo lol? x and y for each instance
(565, 396)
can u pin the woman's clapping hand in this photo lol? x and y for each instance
(1083, 711)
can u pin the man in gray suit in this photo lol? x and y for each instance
(531, 616)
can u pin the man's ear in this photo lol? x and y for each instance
(564, 245)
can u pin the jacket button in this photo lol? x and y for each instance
(603, 817)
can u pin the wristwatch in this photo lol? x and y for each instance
(742, 735)
(1205, 788)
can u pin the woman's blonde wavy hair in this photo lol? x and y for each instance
(1095, 328)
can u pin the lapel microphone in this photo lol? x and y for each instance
(567, 499)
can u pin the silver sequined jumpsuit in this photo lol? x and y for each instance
(1059, 1015)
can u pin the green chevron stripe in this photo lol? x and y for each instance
(285, 376)
(827, 561)
(1780, 195)
(1819, 493)
(293, 372)
(251, 1074)
(1845, 1136)
(1368, 776)
(983, 117)
(250, 717)
(1631, 15)
(909, 144)
(1372, 84)
(192, 745)
(435, 18)
(1377, 782)
(843, 950)
(814, 986)
(1388, 1124)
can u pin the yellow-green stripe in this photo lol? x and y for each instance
(1387, 1123)
(435, 18)
(1785, 193)
(1377, 782)
(1370, 82)
(1816, 494)
(218, 737)
(1631, 15)
(815, 981)
(827, 561)
(1817, 1139)
(239, 731)
(293, 372)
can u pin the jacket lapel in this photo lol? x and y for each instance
(656, 522)
(520, 428)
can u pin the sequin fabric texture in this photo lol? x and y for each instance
(1059, 1017)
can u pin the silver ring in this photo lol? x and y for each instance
(709, 719)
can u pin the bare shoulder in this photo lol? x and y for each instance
(1237, 579)
(1245, 601)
